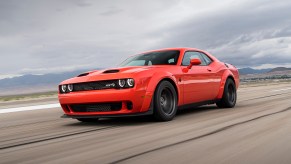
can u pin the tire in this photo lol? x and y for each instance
(88, 119)
(229, 95)
(165, 102)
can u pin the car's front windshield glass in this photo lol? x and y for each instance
(169, 57)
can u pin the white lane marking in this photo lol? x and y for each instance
(278, 90)
(27, 108)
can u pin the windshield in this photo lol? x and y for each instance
(153, 58)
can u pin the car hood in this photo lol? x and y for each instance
(108, 74)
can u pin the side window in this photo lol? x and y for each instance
(191, 55)
(206, 58)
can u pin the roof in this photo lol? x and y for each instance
(174, 48)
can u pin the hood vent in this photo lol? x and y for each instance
(111, 71)
(83, 74)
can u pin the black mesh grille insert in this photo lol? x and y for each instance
(97, 85)
(96, 107)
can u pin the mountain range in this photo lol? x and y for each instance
(49, 82)
(34, 83)
(245, 71)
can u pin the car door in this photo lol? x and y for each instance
(213, 74)
(197, 80)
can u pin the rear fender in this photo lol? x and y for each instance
(227, 73)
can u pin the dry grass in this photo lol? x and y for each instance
(31, 96)
(264, 83)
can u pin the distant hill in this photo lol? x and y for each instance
(34, 83)
(280, 69)
(245, 71)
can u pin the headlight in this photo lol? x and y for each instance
(63, 88)
(130, 82)
(70, 87)
(125, 83)
(121, 83)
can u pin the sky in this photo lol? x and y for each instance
(38, 36)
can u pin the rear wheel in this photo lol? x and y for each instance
(229, 95)
(88, 119)
(165, 102)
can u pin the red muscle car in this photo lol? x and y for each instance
(154, 83)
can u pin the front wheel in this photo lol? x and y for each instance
(165, 101)
(229, 95)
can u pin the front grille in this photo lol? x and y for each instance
(96, 85)
(96, 107)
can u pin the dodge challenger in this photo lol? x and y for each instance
(156, 83)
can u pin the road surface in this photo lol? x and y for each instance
(257, 130)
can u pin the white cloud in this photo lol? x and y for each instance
(51, 36)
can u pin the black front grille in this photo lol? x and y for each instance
(96, 107)
(97, 85)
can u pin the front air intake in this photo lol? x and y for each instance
(97, 107)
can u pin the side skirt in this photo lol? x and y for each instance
(186, 106)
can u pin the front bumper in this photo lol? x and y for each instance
(149, 112)
(140, 100)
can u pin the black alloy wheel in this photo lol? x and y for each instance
(165, 101)
(229, 97)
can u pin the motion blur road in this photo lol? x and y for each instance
(257, 130)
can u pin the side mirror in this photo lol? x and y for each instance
(194, 61)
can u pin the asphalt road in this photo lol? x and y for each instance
(257, 130)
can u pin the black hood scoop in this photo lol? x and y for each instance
(111, 71)
(83, 74)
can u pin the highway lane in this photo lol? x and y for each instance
(258, 130)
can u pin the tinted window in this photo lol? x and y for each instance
(206, 58)
(136, 62)
(191, 55)
(153, 58)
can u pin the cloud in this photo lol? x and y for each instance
(249, 34)
(54, 36)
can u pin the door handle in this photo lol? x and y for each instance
(208, 69)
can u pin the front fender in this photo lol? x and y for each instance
(157, 77)
(151, 87)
